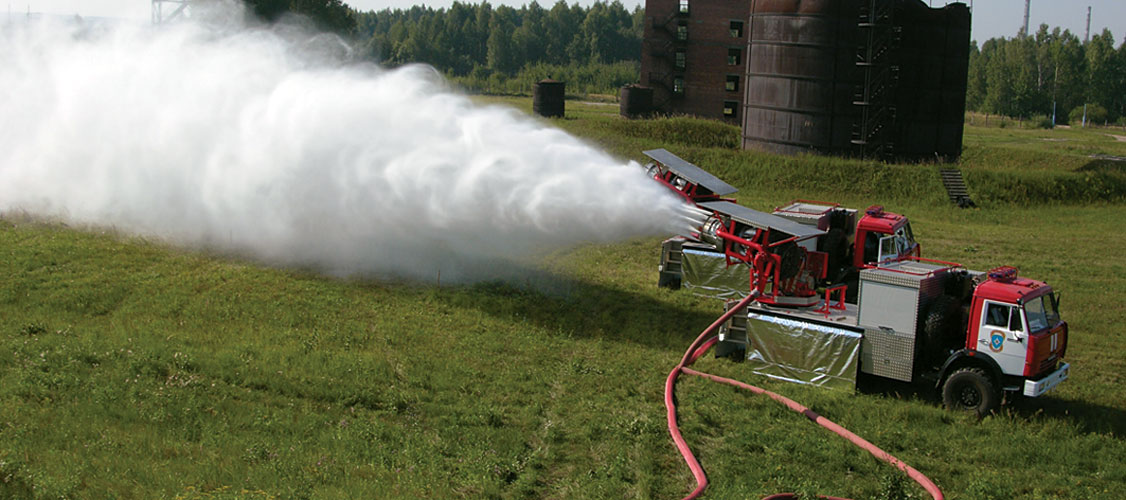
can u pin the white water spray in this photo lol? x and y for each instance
(241, 140)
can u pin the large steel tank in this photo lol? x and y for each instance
(933, 57)
(800, 76)
(810, 87)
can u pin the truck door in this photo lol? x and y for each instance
(892, 247)
(888, 250)
(897, 246)
(1002, 334)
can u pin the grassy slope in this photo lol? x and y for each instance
(131, 370)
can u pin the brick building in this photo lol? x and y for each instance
(693, 56)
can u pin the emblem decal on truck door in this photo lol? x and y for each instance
(996, 341)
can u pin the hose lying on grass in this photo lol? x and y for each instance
(701, 346)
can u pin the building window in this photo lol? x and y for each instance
(736, 29)
(682, 31)
(730, 109)
(683, 6)
(732, 84)
(733, 58)
(681, 59)
(678, 85)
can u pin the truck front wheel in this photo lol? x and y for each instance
(971, 389)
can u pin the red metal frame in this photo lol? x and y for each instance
(817, 263)
(765, 266)
(689, 192)
(829, 306)
(949, 265)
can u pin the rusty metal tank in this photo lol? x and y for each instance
(548, 98)
(800, 76)
(885, 78)
(636, 101)
(933, 57)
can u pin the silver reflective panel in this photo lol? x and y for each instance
(763, 220)
(691, 172)
(707, 274)
(802, 351)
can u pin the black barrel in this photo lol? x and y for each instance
(547, 98)
(636, 101)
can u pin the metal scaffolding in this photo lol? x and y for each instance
(164, 11)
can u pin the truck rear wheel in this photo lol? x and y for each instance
(942, 327)
(971, 389)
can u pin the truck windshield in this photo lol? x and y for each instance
(1041, 312)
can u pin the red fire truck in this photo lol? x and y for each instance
(843, 292)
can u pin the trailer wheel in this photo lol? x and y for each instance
(971, 389)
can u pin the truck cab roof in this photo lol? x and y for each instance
(1012, 290)
(876, 219)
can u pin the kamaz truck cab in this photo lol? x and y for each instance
(1015, 323)
(883, 236)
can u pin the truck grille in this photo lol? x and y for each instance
(1048, 364)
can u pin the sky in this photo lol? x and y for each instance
(991, 18)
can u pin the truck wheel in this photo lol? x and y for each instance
(970, 389)
(940, 328)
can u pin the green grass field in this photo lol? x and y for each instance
(132, 370)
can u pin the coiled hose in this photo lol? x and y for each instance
(701, 346)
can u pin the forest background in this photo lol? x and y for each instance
(1048, 77)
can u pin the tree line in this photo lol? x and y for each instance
(487, 46)
(1029, 76)
(597, 49)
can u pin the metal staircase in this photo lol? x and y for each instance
(956, 187)
(665, 51)
(872, 134)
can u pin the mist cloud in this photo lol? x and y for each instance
(248, 140)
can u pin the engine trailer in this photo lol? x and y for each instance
(971, 335)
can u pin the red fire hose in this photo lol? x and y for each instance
(697, 349)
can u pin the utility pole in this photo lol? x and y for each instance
(1055, 85)
(1087, 38)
